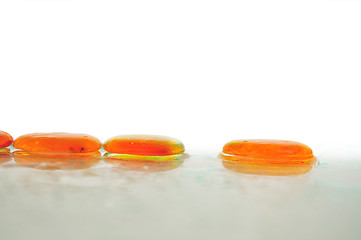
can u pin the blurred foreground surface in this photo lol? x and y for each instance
(195, 199)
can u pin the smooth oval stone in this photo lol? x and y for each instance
(56, 161)
(147, 145)
(5, 139)
(58, 143)
(277, 150)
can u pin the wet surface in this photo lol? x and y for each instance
(196, 198)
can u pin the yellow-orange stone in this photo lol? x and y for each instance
(147, 145)
(58, 143)
(5, 139)
(278, 150)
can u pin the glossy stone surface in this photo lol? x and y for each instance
(58, 142)
(268, 157)
(144, 163)
(147, 145)
(56, 161)
(5, 139)
(270, 150)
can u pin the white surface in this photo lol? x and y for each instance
(198, 200)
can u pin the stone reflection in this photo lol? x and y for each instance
(5, 155)
(268, 166)
(145, 163)
(56, 161)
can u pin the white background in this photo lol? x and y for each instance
(203, 72)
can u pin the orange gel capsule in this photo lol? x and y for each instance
(146, 145)
(56, 161)
(5, 139)
(58, 143)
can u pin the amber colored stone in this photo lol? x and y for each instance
(58, 143)
(268, 157)
(145, 163)
(57, 161)
(5, 155)
(146, 145)
(5, 139)
(277, 150)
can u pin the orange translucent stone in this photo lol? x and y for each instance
(58, 143)
(146, 145)
(5, 139)
(268, 150)
(145, 163)
(268, 157)
(56, 161)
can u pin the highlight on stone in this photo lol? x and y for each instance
(268, 157)
(57, 142)
(5, 139)
(144, 145)
(144, 163)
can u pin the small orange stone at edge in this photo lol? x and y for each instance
(5, 139)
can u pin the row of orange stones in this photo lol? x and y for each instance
(265, 157)
(55, 149)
